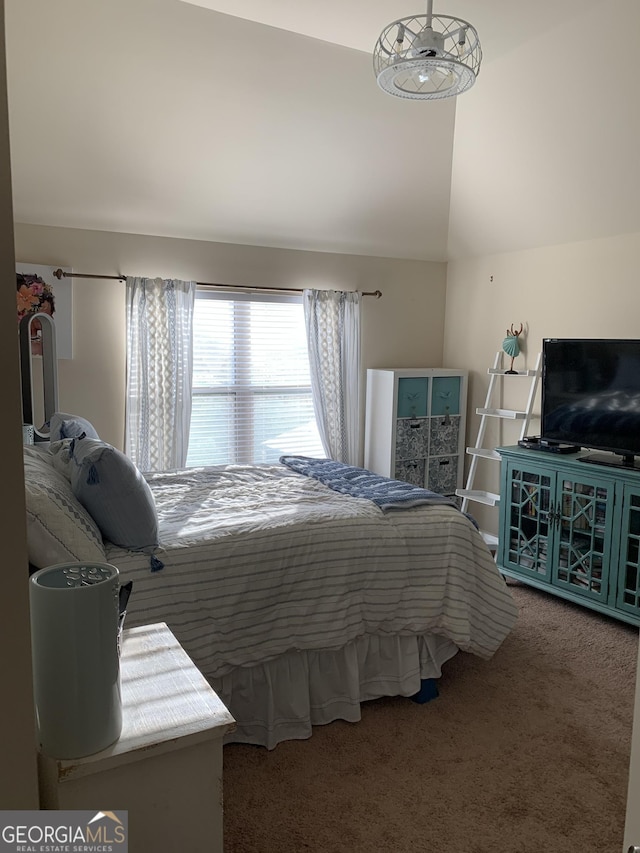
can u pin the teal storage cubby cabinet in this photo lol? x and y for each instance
(571, 528)
(415, 426)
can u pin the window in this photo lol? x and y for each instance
(251, 385)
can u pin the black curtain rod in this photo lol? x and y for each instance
(60, 273)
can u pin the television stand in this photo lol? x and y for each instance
(613, 461)
(571, 530)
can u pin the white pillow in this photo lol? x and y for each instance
(60, 456)
(62, 425)
(59, 529)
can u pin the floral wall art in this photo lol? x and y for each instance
(38, 290)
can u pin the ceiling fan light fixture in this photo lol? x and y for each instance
(426, 57)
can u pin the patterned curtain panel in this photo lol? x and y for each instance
(159, 372)
(333, 335)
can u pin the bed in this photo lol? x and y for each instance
(297, 601)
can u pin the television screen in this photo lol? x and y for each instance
(591, 393)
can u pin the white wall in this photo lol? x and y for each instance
(587, 289)
(544, 219)
(164, 118)
(545, 144)
(402, 329)
(575, 289)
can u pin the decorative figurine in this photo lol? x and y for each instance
(511, 345)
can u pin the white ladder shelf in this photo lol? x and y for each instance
(480, 450)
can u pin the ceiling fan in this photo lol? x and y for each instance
(426, 57)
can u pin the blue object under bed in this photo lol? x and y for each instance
(428, 691)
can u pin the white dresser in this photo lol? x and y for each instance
(415, 426)
(165, 770)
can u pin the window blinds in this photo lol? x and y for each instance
(251, 386)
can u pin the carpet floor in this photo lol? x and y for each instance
(525, 753)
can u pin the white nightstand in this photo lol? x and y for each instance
(166, 767)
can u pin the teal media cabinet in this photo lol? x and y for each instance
(571, 528)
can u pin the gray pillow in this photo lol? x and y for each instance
(114, 492)
(62, 426)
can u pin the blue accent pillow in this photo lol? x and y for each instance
(114, 492)
(62, 426)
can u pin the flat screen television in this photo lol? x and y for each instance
(591, 396)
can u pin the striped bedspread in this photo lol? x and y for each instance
(259, 560)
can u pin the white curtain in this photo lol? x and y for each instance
(159, 372)
(333, 336)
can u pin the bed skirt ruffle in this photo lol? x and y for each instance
(318, 687)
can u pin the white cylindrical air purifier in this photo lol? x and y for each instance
(76, 666)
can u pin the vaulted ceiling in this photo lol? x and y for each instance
(502, 24)
(260, 122)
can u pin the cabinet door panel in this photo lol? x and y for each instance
(628, 598)
(584, 512)
(527, 530)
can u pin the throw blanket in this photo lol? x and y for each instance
(360, 483)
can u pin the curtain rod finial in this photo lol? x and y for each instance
(58, 273)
